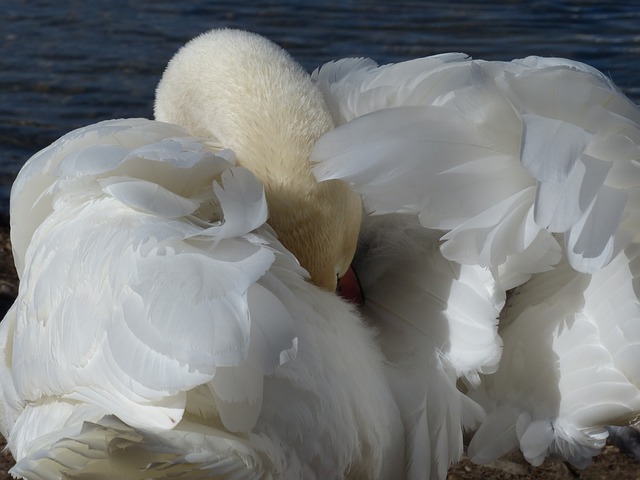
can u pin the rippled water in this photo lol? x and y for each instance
(68, 64)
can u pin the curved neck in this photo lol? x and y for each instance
(244, 93)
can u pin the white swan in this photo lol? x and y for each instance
(161, 327)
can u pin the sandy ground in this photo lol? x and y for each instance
(610, 464)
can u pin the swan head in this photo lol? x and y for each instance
(239, 91)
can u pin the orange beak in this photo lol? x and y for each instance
(349, 288)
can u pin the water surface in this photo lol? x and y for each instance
(67, 64)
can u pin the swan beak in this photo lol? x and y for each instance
(350, 289)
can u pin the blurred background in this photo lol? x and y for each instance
(65, 64)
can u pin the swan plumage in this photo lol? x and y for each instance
(165, 320)
(528, 169)
(181, 380)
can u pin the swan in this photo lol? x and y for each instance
(176, 313)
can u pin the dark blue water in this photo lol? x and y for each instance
(65, 64)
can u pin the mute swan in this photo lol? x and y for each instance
(162, 326)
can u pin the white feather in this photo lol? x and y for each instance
(526, 168)
(438, 322)
(159, 297)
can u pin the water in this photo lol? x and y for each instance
(69, 63)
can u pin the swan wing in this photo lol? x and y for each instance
(528, 172)
(142, 275)
(500, 155)
(161, 324)
(569, 364)
(103, 445)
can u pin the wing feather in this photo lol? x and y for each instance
(449, 138)
(165, 301)
(438, 322)
(138, 283)
(564, 366)
(528, 169)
